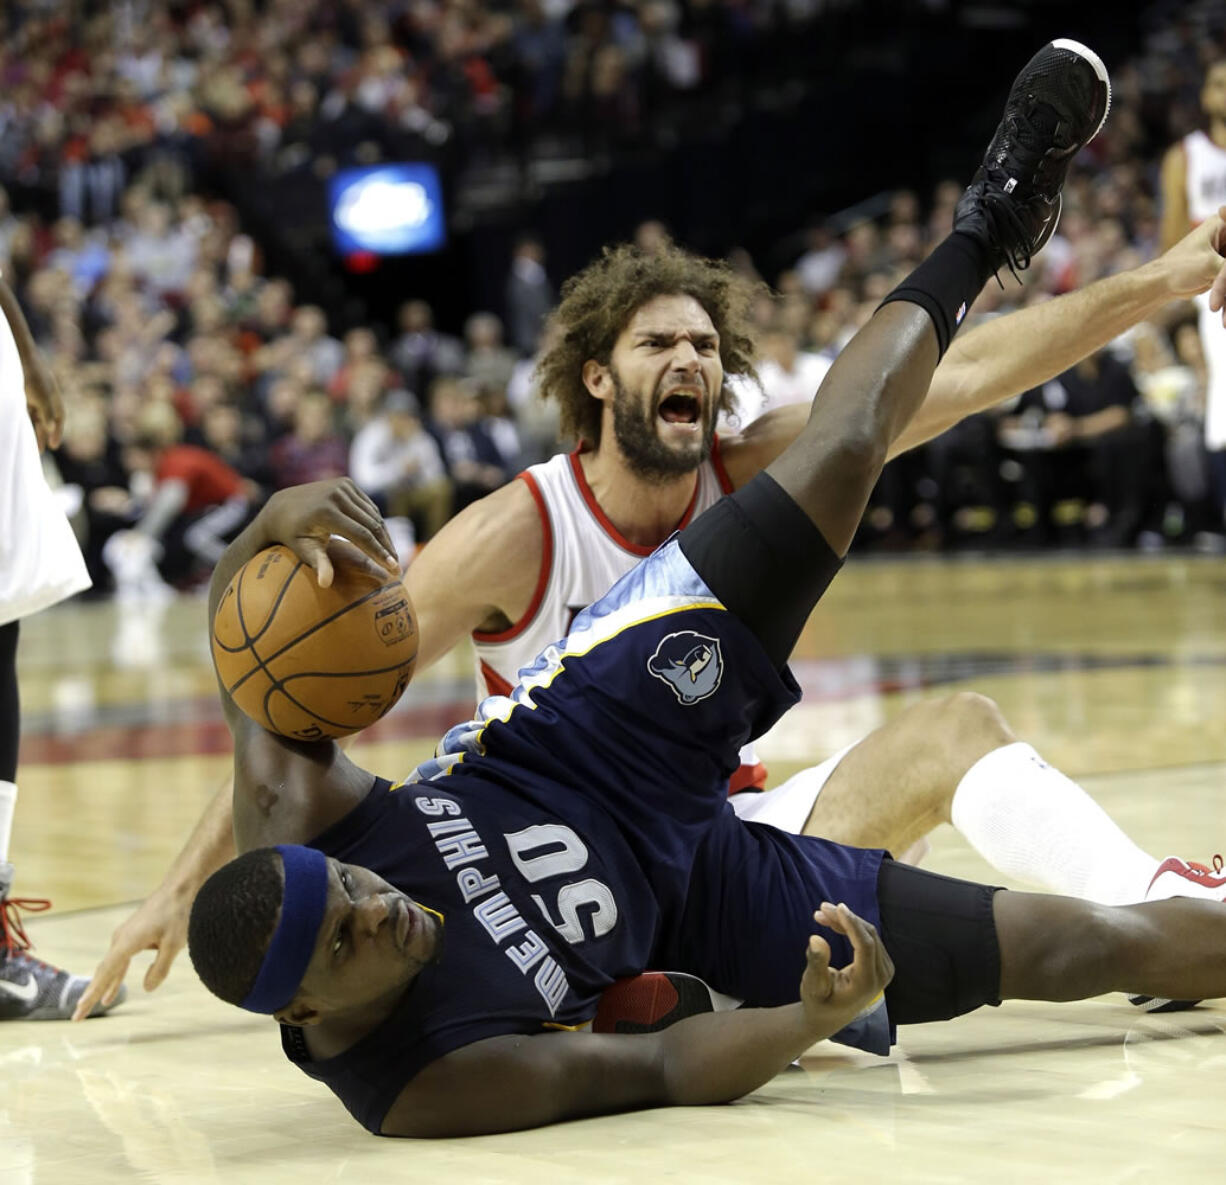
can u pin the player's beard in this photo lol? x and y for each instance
(634, 429)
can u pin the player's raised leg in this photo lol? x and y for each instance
(1057, 105)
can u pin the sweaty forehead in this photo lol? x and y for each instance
(671, 314)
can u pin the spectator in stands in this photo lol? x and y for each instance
(1077, 438)
(314, 450)
(530, 296)
(398, 463)
(537, 420)
(421, 353)
(196, 505)
(473, 461)
(490, 364)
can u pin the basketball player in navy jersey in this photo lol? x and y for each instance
(949, 758)
(427, 947)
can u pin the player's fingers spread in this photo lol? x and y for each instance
(862, 935)
(366, 515)
(313, 552)
(357, 546)
(818, 951)
(159, 969)
(828, 916)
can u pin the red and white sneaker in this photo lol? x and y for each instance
(29, 988)
(654, 1000)
(1182, 878)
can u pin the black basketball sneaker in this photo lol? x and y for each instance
(1056, 107)
(29, 988)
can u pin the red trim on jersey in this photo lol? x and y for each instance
(495, 684)
(748, 777)
(542, 579)
(717, 459)
(603, 519)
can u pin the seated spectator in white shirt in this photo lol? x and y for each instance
(397, 462)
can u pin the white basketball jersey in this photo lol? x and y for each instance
(583, 556)
(1206, 176)
(40, 562)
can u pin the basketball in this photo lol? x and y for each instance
(309, 662)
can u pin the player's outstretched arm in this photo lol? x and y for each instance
(1011, 354)
(510, 1083)
(160, 922)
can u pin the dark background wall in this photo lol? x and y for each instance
(868, 97)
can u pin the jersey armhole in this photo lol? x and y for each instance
(542, 580)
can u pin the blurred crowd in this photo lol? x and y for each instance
(181, 356)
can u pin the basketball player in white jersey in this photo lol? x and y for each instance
(1193, 189)
(40, 564)
(541, 547)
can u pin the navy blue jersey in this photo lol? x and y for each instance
(578, 831)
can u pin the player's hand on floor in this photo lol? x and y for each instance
(306, 518)
(848, 989)
(160, 924)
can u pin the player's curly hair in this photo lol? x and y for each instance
(598, 302)
(232, 922)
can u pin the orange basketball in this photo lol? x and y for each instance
(310, 662)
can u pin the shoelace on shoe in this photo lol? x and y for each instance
(13, 937)
(1205, 870)
(1008, 231)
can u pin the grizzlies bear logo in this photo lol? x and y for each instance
(691, 664)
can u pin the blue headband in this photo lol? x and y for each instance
(293, 943)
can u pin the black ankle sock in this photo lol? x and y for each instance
(946, 284)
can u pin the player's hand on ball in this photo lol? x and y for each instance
(305, 518)
(848, 989)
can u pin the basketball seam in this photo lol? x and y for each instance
(262, 663)
(249, 644)
(249, 641)
(279, 685)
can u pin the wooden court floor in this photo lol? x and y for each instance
(1114, 668)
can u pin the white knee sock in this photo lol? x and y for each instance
(1031, 822)
(8, 804)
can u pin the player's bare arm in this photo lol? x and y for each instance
(288, 791)
(509, 1083)
(1174, 185)
(478, 573)
(1001, 358)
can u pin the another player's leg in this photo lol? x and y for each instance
(1057, 104)
(957, 945)
(955, 760)
(29, 988)
(1058, 948)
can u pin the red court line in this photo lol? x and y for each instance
(203, 737)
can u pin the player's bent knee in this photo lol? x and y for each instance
(971, 720)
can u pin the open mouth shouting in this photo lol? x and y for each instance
(683, 407)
